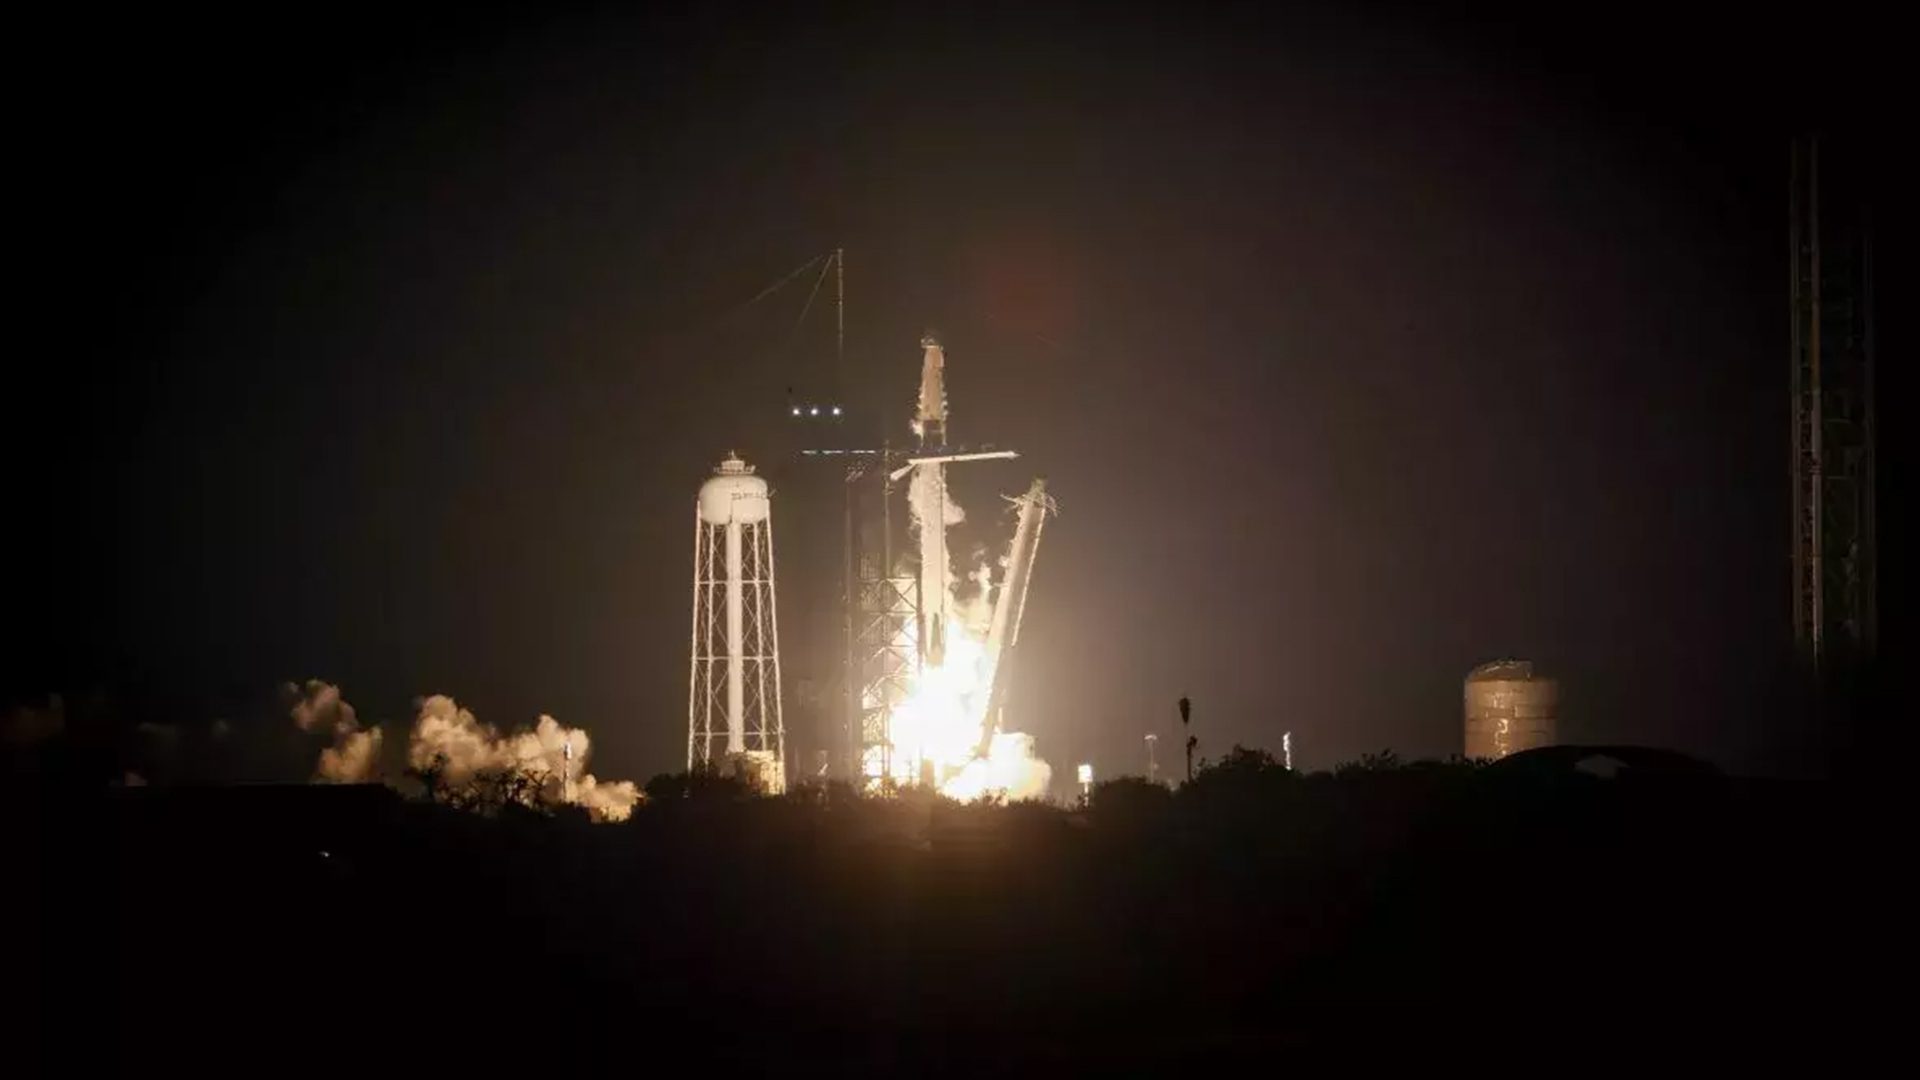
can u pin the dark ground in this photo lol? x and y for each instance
(1494, 914)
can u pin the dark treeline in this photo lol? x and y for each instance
(1561, 899)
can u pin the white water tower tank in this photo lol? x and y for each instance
(733, 495)
(1509, 709)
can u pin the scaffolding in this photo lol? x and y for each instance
(883, 613)
(1834, 551)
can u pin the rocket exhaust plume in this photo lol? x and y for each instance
(939, 724)
(945, 731)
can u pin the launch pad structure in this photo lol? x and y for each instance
(896, 614)
(1835, 554)
(897, 580)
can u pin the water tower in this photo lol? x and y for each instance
(1509, 709)
(733, 686)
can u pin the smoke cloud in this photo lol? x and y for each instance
(946, 707)
(354, 757)
(612, 801)
(975, 608)
(320, 707)
(927, 493)
(461, 757)
(460, 752)
(1010, 770)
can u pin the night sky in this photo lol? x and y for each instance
(1358, 346)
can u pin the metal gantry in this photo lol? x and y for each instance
(886, 614)
(1834, 551)
(895, 605)
(879, 597)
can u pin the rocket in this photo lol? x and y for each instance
(929, 496)
(930, 423)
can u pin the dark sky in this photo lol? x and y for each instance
(1358, 346)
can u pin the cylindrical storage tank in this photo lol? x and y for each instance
(733, 495)
(1509, 709)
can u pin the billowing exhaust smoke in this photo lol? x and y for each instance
(940, 721)
(354, 757)
(463, 760)
(320, 707)
(542, 767)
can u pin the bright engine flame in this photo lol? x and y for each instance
(940, 719)
(937, 728)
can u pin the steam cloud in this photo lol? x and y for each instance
(450, 741)
(976, 608)
(354, 757)
(463, 755)
(1010, 770)
(928, 489)
(320, 707)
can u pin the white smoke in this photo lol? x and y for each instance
(946, 708)
(321, 708)
(354, 757)
(545, 766)
(459, 750)
(612, 801)
(975, 608)
(1010, 770)
(928, 491)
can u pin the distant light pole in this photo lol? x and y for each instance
(1153, 760)
(1286, 748)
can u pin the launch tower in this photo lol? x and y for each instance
(1835, 556)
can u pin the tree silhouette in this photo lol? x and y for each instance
(1186, 718)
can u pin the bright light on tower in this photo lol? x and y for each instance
(815, 411)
